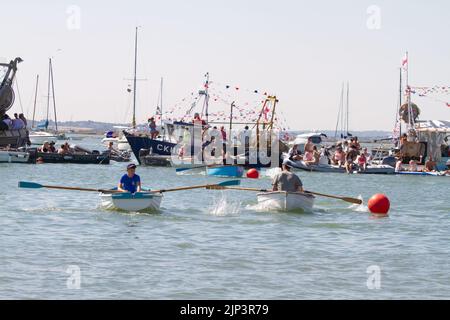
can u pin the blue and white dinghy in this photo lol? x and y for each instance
(134, 202)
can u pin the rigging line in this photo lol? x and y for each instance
(18, 93)
(339, 114)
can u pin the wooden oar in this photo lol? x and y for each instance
(224, 184)
(33, 185)
(347, 199)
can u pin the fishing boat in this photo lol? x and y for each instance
(286, 201)
(10, 139)
(10, 156)
(133, 202)
(225, 171)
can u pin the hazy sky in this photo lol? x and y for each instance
(299, 50)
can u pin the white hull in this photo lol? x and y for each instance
(121, 143)
(286, 201)
(38, 138)
(133, 203)
(14, 156)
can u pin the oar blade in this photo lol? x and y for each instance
(352, 200)
(29, 185)
(230, 183)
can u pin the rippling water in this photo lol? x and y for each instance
(215, 244)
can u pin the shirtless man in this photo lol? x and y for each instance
(430, 165)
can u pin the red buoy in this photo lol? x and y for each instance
(379, 204)
(253, 174)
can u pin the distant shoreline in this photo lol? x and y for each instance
(98, 127)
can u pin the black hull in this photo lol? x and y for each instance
(70, 158)
(164, 148)
(157, 147)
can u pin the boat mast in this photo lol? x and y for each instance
(53, 95)
(206, 101)
(338, 117)
(400, 104)
(35, 99)
(161, 101)
(48, 93)
(346, 130)
(133, 122)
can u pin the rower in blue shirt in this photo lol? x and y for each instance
(130, 182)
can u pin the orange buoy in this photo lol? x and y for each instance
(379, 204)
(253, 174)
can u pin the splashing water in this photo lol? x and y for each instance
(359, 207)
(224, 207)
(271, 172)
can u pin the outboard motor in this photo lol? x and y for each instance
(7, 95)
(390, 161)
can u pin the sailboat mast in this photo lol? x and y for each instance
(35, 99)
(161, 101)
(346, 129)
(342, 110)
(206, 103)
(48, 92)
(338, 116)
(133, 122)
(400, 104)
(53, 95)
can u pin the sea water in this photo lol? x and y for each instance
(211, 244)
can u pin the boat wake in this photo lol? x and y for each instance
(224, 207)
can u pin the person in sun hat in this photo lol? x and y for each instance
(287, 180)
(130, 182)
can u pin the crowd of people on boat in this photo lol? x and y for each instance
(49, 147)
(7, 123)
(347, 153)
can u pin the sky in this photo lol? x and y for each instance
(300, 51)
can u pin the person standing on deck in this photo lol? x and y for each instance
(130, 182)
(287, 180)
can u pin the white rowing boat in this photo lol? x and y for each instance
(139, 201)
(286, 201)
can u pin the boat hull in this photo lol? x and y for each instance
(38, 138)
(13, 138)
(225, 171)
(14, 157)
(70, 158)
(136, 202)
(286, 201)
(370, 169)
